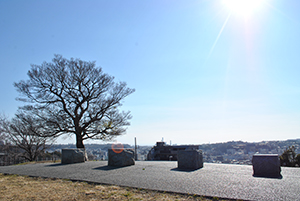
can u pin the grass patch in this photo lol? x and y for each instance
(14, 187)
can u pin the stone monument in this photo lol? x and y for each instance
(120, 157)
(70, 156)
(190, 159)
(266, 165)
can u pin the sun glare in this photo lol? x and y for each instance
(243, 7)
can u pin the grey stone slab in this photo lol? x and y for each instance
(70, 156)
(266, 165)
(215, 180)
(190, 159)
(120, 157)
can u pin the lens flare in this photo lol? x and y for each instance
(117, 147)
(243, 7)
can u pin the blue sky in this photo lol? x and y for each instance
(203, 71)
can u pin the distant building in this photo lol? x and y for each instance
(163, 152)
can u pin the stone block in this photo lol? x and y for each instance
(189, 159)
(266, 165)
(70, 156)
(120, 157)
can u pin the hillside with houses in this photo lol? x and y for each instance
(233, 152)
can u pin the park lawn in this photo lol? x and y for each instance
(15, 187)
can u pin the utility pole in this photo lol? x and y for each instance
(135, 149)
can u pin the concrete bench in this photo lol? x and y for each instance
(266, 165)
(70, 156)
(120, 157)
(189, 159)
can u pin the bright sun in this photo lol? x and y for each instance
(243, 7)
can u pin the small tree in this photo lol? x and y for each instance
(75, 97)
(26, 133)
(288, 157)
(298, 160)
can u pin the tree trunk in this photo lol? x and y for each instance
(80, 145)
(79, 141)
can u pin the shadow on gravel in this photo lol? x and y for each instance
(268, 177)
(181, 170)
(56, 164)
(107, 168)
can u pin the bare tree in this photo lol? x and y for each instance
(4, 144)
(2, 133)
(75, 97)
(26, 133)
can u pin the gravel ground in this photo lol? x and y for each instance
(215, 180)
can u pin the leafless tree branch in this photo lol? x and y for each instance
(75, 96)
